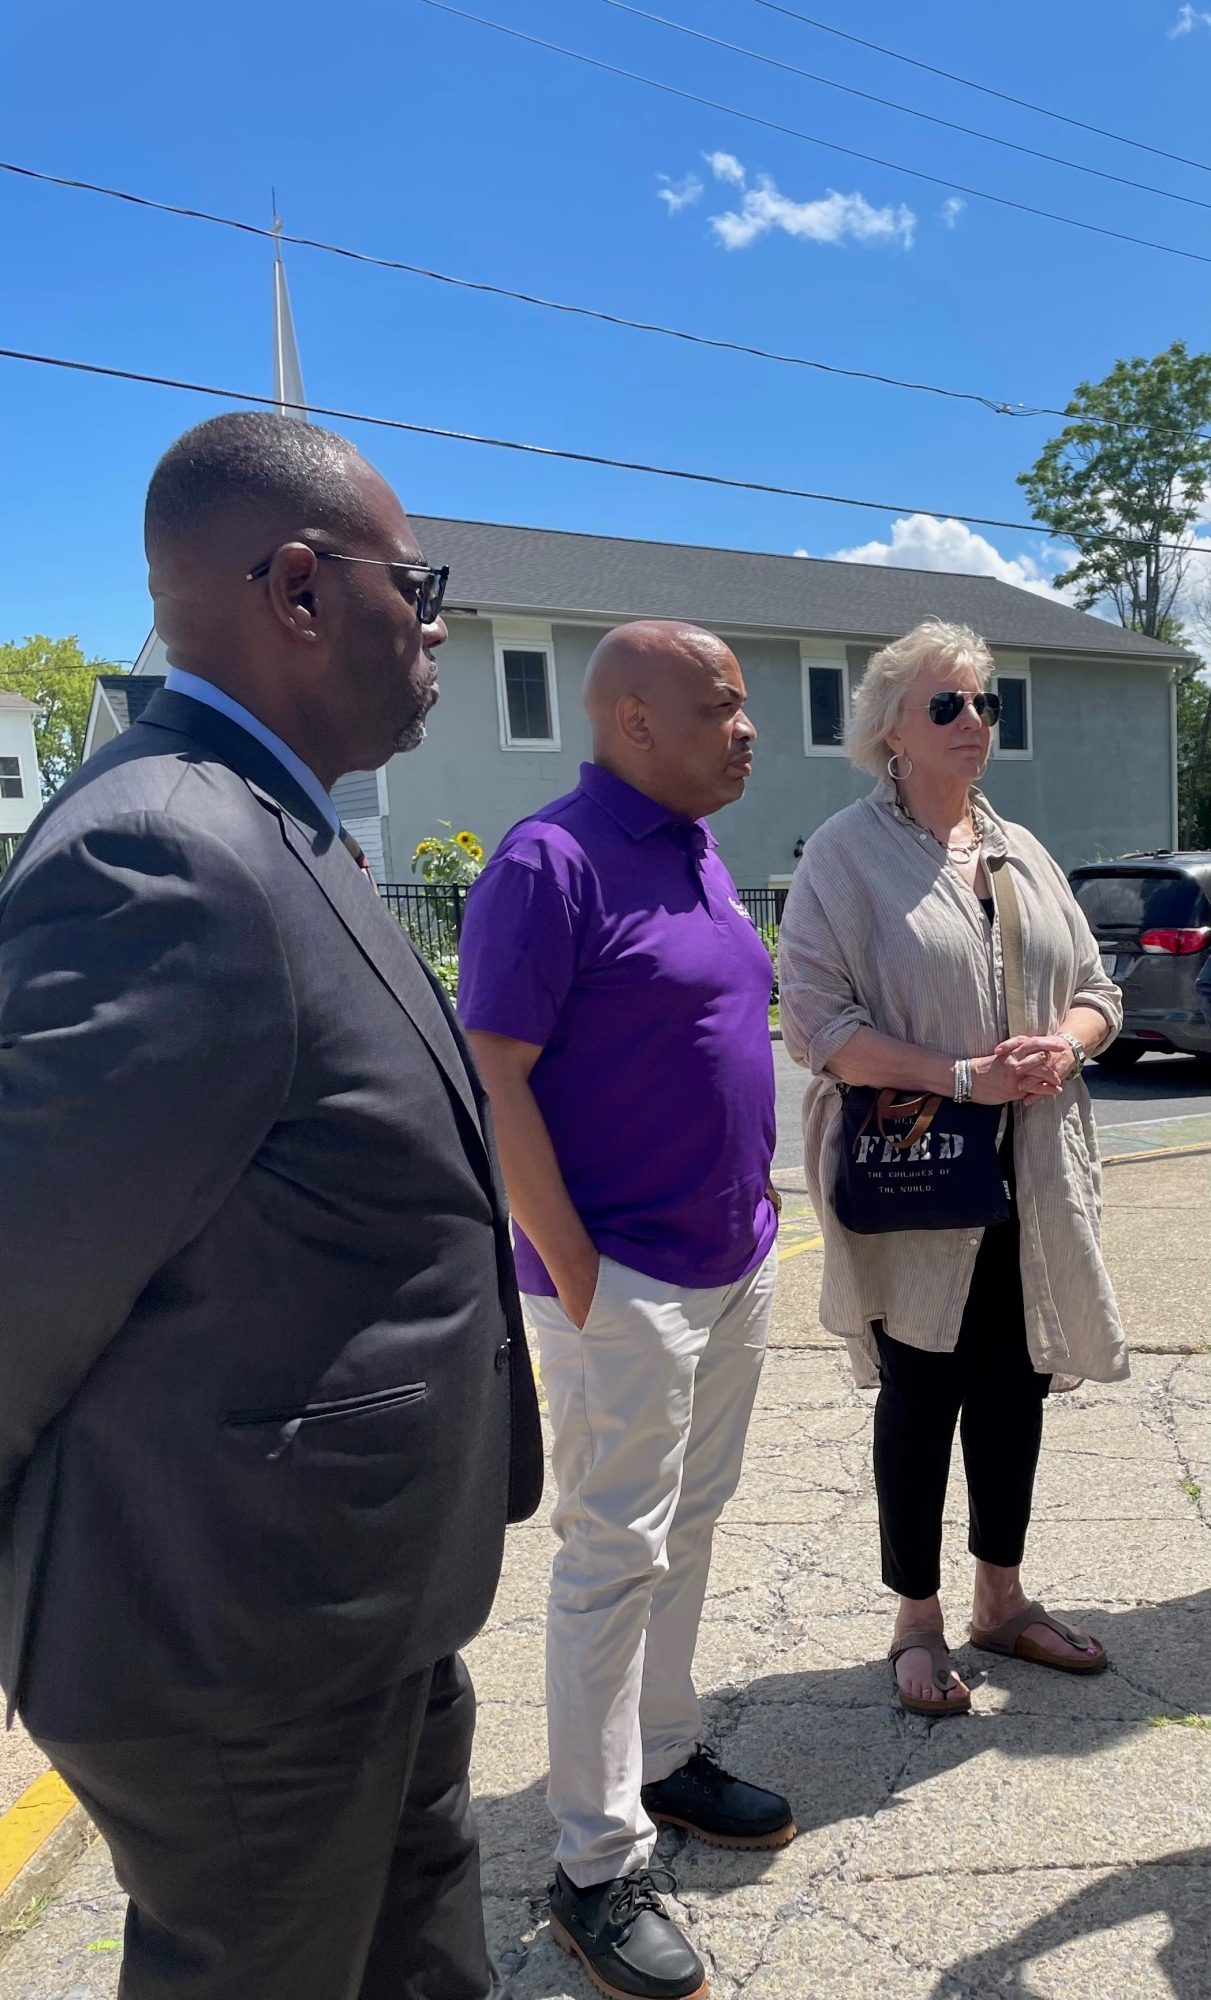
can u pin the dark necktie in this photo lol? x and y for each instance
(348, 841)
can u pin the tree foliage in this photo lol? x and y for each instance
(55, 674)
(1194, 719)
(1128, 475)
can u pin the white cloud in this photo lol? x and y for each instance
(952, 209)
(725, 167)
(829, 220)
(920, 541)
(679, 194)
(1189, 18)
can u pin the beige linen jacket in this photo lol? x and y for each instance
(879, 932)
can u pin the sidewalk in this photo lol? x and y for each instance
(1054, 1843)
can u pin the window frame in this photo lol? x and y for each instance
(7, 777)
(1014, 671)
(819, 653)
(525, 636)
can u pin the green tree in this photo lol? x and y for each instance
(55, 674)
(1126, 477)
(1194, 718)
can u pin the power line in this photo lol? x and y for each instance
(555, 451)
(998, 405)
(792, 132)
(909, 110)
(968, 83)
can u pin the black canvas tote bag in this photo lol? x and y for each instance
(912, 1160)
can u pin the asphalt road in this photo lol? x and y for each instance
(1158, 1087)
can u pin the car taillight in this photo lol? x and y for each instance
(1177, 943)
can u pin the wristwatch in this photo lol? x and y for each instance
(1079, 1051)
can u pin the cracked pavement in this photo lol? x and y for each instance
(1054, 1843)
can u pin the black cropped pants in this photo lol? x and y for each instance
(990, 1388)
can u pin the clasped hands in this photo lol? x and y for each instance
(1022, 1070)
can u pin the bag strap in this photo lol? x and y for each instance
(1000, 875)
(924, 1108)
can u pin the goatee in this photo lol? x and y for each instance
(412, 735)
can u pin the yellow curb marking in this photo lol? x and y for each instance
(39, 1810)
(794, 1249)
(1156, 1153)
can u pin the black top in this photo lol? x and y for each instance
(265, 1399)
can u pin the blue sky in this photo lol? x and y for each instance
(400, 130)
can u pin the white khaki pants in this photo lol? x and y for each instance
(650, 1404)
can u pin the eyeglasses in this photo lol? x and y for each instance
(420, 584)
(947, 708)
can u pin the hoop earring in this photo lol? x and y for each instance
(896, 776)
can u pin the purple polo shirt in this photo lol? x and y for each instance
(606, 929)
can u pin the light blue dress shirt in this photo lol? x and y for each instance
(177, 681)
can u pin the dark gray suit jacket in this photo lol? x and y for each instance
(264, 1394)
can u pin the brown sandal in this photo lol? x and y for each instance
(933, 1642)
(1007, 1638)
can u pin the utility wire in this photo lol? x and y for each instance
(998, 405)
(792, 132)
(969, 83)
(576, 457)
(909, 110)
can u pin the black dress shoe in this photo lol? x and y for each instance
(625, 1939)
(720, 1809)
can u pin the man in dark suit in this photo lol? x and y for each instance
(264, 1395)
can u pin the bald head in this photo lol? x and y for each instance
(666, 702)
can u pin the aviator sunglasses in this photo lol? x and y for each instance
(420, 584)
(948, 707)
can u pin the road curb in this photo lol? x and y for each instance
(1156, 1153)
(41, 1835)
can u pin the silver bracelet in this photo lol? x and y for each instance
(962, 1081)
(1078, 1048)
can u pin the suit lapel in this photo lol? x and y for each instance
(346, 887)
(386, 945)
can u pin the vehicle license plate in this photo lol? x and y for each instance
(1109, 961)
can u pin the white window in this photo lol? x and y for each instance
(1014, 735)
(10, 778)
(825, 673)
(527, 700)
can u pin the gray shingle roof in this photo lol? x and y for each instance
(545, 570)
(10, 700)
(129, 695)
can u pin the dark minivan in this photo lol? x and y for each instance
(1151, 916)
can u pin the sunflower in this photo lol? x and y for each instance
(475, 851)
(424, 847)
(465, 839)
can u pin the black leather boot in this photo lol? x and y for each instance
(720, 1809)
(625, 1939)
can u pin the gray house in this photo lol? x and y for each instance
(1085, 753)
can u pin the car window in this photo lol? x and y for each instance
(1138, 902)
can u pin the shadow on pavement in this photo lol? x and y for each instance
(833, 1740)
(1173, 1886)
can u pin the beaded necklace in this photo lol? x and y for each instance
(961, 853)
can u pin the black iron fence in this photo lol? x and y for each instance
(432, 915)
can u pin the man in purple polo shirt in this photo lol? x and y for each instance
(616, 996)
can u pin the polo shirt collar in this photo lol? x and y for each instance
(634, 811)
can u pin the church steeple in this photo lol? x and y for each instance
(288, 399)
(287, 375)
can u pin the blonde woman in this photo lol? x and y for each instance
(892, 975)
